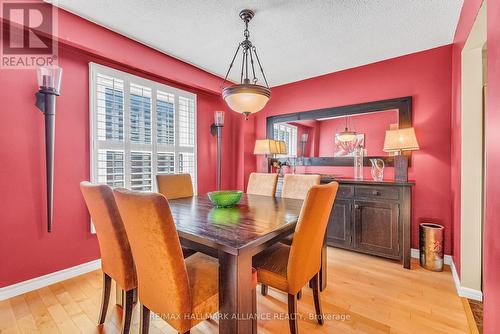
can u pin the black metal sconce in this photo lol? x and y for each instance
(216, 130)
(49, 81)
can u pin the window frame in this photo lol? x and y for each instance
(126, 145)
(292, 144)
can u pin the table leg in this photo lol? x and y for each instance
(323, 274)
(235, 289)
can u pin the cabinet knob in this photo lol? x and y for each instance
(356, 206)
(375, 193)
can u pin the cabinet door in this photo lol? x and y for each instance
(339, 225)
(376, 228)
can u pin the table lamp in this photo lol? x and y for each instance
(396, 141)
(266, 147)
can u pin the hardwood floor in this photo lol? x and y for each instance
(365, 294)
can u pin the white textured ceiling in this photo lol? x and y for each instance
(295, 39)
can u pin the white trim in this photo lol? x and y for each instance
(461, 290)
(45, 280)
(415, 253)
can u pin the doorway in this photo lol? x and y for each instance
(472, 153)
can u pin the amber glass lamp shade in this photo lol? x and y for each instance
(246, 98)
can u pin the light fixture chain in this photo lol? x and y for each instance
(260, 65)
(242, 65)
(253, 68)
(231, 65)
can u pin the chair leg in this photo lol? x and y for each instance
(128, 305)
(254, 310)
(317, 300)
(292, 313)
(299, 294)
(263, 289)
(106, 291)
(144, 321)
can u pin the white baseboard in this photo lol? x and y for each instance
(46, 280)
(415, 253)
(462, 291)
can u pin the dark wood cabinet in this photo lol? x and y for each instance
(371, 217)
(339, 226)
(376, 228)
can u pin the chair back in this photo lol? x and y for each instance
(262, 184)
(296, 186)
(116, 256)
(175, 185)
(163, 285)
(305, 254)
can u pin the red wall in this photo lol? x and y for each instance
(29, 251)
(427, 77)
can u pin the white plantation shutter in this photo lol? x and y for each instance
(139, 128)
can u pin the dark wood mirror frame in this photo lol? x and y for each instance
(402, 104)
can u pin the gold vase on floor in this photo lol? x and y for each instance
(431, 246)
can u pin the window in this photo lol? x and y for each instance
(288, 134)
(139, 128)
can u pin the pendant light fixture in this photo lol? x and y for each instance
(247, 97)
(346, 135)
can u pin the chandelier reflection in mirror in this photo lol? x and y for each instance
(248, 96)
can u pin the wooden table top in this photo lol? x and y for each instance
(253, 221)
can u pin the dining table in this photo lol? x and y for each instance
(234, 235)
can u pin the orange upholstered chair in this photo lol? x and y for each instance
(183, 292)
(116, 257)
(175, 185)
(262, 184)
(289, 268)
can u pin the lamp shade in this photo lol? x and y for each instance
(281, 145)
(219, 118)
(265, 146)
(346, 136)
(49, 78)
(400, 140)
(246, 98)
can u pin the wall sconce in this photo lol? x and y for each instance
(216, 130)
(49, 81)
(303, 141)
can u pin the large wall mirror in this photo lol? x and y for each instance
(315, 136)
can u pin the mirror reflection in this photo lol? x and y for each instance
(337, 136)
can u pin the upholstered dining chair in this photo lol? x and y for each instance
(182, 291)
(174, 186)
(262, 184)
(297, 185)
(289, 268)
(116, 256)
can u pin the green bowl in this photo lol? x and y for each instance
(225, 198)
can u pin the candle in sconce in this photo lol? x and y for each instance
(305, 136)
(219, 118)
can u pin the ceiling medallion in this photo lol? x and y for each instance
(247, 97)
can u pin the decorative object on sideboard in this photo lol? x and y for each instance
(281, 150)
(431, 246)
(216, 130)
(247, 97)
(49, 81)
(377, 170)
(396, 141)
(359, 155)
(265, 147)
